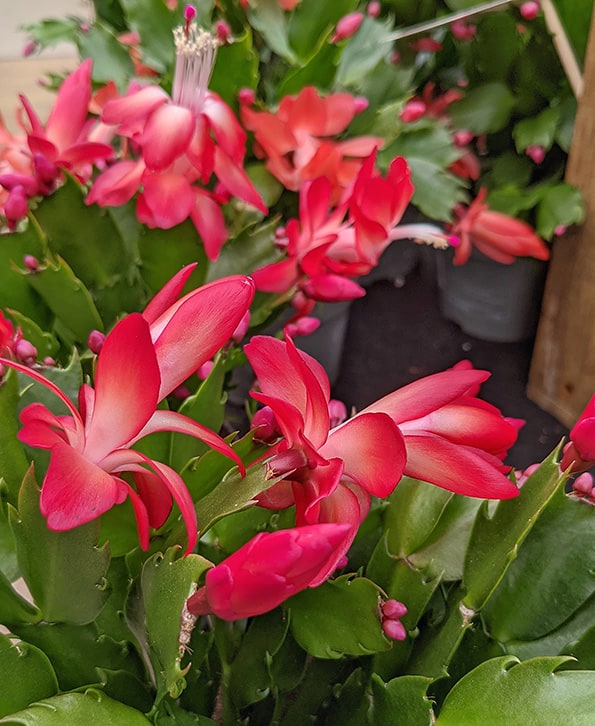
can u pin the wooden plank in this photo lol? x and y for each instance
(562, 375)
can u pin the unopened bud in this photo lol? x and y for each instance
(16, 206)
(242, 328)
(246, 96)
(373, 9)
(347, 26)
(31, 263)
(360, 104)
(29, 48)
(536, 153)
(462, 137)
(95, 341)
(462, 30)
(25, 351)
(205, 370)
(412, 111)
(529, 10)
(337, 412)
(394, 629)
(393, 609)
(222, 31)
(265, 426)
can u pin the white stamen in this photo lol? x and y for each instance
(427, 234)
(196, 50)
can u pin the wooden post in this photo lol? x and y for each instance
(562, 376)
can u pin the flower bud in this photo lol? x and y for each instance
(412, 111)
(462, 30)
(462, 137)
(246, 96)
(265, 426)
(267, 570)
(337, 412)
(347, 26)
(31, 263)
(529, 10)
(95, 341)
(373, 9)
(25, 351)
(16, 206)
(394, 629)
(222, 31)
(536, 153)
(393, 609)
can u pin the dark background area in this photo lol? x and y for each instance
(396, 334)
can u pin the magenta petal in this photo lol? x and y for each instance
(166, 135)
(192, 330)
(456, 468)
(156, 499)
(169, 198)
(134, 107)
(117, 185)
(236, 181)
(71, 107)
(41, 428)
(425, 395)
(75, 491)
(373, 452)
(277, 277)
(207, 217)
(583, 437)
(126, 386)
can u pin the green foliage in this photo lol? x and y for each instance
(514, 693)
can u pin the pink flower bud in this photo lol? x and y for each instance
(205, 370)
(189, 13)
(267, 570)
(31, 263)
(29, 48)
(222, 31)
(583, 484)
(25, 351)
(360, 103)
(347, 26)
(395, 57)
(302, 326)
(462, 30)
(393, 609)
(426, 45)
(560, 230)
(181, 393)
(95, 341)
(16, 206)
(49, 362)
(394, 629)
(373, 9)
(238, 334)
(536, 153)
(265, 426)
(462, 137)
(412, 111)
(246, 96)
(337, 412)
(529, 10)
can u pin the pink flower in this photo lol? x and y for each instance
(184, 141)
(296, 143)
(267, 570)
(141, 361)
(579, 452)
(330, 474)
(453, 439)
(35, 161)
(496, 235)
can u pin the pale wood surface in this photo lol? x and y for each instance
(562, 377)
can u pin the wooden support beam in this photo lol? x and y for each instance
(562, 376)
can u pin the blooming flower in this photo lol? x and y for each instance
(330, 474)
(183, 140)
(296, 143)
(140, 362)
(496, 235)
(267, 570)
(331, 244)
(63, 143)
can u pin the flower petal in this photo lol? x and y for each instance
(457, 468)
(373, 452)
(192, 330)
(75, 491)
(126, 386)
(166, 135)
(168, 294)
